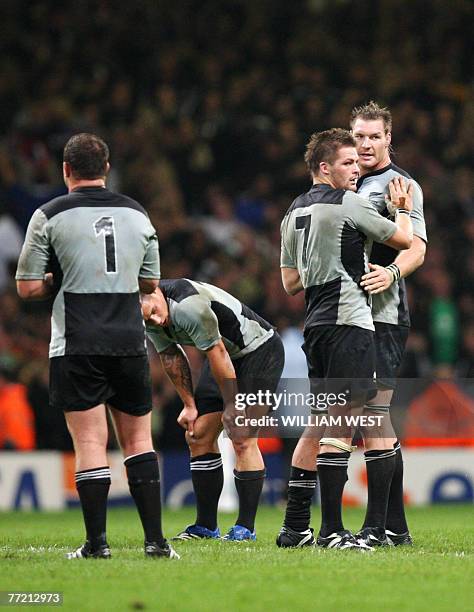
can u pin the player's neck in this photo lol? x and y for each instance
(319, 180)
(383, 164)
(77, 183)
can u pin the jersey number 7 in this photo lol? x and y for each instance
(304, 223)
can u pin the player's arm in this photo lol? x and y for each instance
(32, 281)
(176, 366)
(291, 280)
(290, 276)
(407, 261)
(148, 285)
(150, 273)
(35, 289)
(401, 198)
(411, 259)
(381, 278)
(223, 372)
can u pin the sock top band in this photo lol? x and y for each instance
(140, 457)
(250, 475)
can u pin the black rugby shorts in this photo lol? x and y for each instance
(80, 382)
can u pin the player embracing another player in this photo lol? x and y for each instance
(371, 127)
(323, 238)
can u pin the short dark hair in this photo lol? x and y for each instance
(87, 154)
(323, 146)
(371, 112)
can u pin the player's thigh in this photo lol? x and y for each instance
(352, 363)
(88, 427)
(207, 395)
(315, 350)
(130, 383)
(259, 372)
(132, 430)
(77, 383)
(390, 342)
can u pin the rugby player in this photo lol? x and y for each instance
(94, 251)
(238, 344)
(323, 253)
(371, 127)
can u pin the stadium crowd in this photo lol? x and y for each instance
(206, 108)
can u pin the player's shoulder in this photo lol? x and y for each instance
(122, 200)
(379, 179)
(178, 289)
(90, 197)
(318, 194)
(298, 202)
(351, 198)
(397, 171)
(59, 204)
(192, 302)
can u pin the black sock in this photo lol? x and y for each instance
(332, 471)
(380, 465)
(396, 520)
(301, 488)
(249, 487)
(93, 487)
(208, 479)
(144, 482)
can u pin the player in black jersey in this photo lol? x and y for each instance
(240, 345)
(371, 126)
(324, 235)
(94, 251)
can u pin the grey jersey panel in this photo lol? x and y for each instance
(83, 256)
(100, 252)
(202, 314)
(323, 237)
(391, 305)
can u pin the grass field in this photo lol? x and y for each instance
(436, 574)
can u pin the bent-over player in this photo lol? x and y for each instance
(239, 345)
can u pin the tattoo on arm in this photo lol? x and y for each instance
(176, 365)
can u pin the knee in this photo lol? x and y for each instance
(201, 444)
(90, 439)
(243, 445)
(308, 444)
(378, 423)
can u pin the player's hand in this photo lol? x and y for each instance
(378, 280)
(401, 195)
(187, 417)
(147, 307)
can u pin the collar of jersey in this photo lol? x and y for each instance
(89, 188)
(374, 173)
(321, 186)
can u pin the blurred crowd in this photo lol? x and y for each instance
(206, 107)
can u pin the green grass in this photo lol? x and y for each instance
(436, 574)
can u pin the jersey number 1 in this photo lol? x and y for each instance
(105, 226)
(304, 223)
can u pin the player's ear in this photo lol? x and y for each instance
(107, 168)
(324, 168)
(389, 139)
(66, 170)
